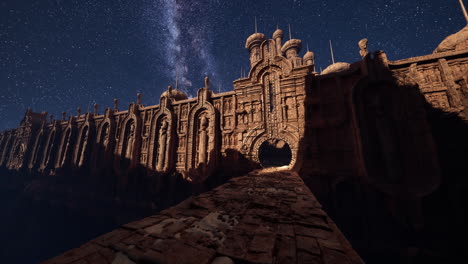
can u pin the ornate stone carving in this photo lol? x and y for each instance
(363, 47)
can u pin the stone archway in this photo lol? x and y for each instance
(263, 141)
(274, 153)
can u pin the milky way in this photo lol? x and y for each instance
(60, 55)
(182, 39)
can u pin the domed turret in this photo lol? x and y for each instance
(253, 45)
(254, 39)
(457, 41)
(291, 49)
(278, 34)
(174, 94)
(278, 37)
(336, 67)
(309, 58)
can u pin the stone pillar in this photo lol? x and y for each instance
(162, 147)
(453, 93)
(203, 141)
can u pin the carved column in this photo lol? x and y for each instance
(162, 146)
(203, 141)
(453, 93)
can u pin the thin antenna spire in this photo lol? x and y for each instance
(331, 50)
(255, 24)
(176, 80)
(307, 46)
(464, 10)
(289, 25)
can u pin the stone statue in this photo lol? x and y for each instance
(106, 136)
(22, 150)
(66, 149)
(203, 142)
(162, 146)
(363, 47)
(138, 98)
(83, 148)
(116, 104)
(130, 141)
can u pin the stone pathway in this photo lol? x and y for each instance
(266, 216)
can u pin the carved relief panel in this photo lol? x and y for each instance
(66, 147)
(85, 143)
(38, 149)
(202, 145)
(49, 156)
(162, 147)
(438, 100)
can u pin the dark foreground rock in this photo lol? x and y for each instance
(266, 216)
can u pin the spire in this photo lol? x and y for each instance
(116, 104)
(289, 25)
(331, 50)
(308, 47)
(464, 10)
(176, 80)
(207, 82)
(256, 31)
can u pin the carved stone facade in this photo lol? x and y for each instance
(441, 77)
(362, 136)
(179, 134)
(269, 105)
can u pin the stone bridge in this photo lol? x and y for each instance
(266, 216)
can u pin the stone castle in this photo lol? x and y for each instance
(267, 106)
(354, 127)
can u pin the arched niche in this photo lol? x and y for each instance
(38, 148)
(84, 143)
(163, 139)
(67, 146)
(49, 155)
(202, 144)
(130, 138)
(105, 141)
(7, 148)
(277, 63)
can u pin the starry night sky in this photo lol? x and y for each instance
(57, 55)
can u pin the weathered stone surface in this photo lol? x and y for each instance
(308, 244)
(335, 123)
(253, 232)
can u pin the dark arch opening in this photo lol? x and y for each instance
(274, 153)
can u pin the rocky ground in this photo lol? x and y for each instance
(266, 216)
